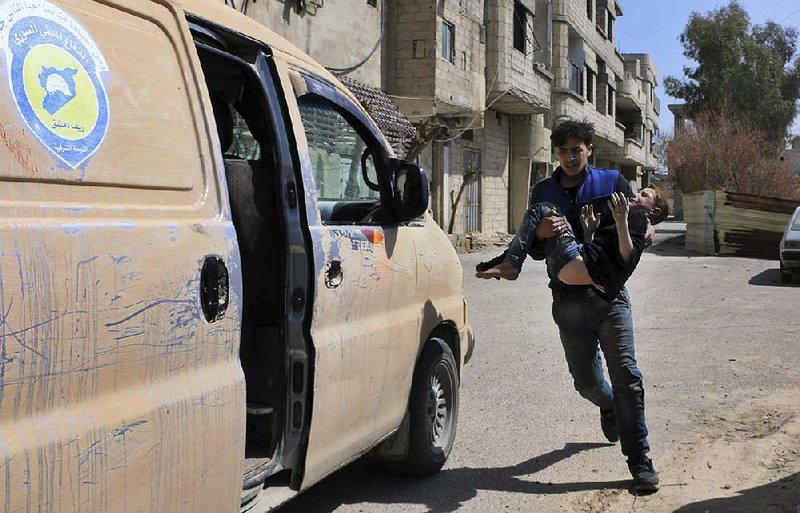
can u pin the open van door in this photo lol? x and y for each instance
(120, 291)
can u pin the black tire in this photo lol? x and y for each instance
(432, 410)
(786, 274)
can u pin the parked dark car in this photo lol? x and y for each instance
(790, 249)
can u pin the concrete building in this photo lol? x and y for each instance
(486, 81)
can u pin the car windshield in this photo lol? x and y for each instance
(796, 223)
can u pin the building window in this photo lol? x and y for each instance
(610, 26)
(590, 9)
(610, 100)
(520, 27)
(448, 50)
(576, 78)
(590, 80)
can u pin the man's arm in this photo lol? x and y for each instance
(549, 226)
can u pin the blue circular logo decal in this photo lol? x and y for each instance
(54, 73)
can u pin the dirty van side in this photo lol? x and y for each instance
(120, 382)
(217, 283)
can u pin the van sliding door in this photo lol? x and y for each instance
(120, 383)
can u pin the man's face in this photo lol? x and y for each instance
(644, 199)
(573, 156)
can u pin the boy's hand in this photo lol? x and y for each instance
(619, 206)
(551, 225)
(589, 221)
(648, 236)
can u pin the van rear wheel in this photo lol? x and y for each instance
(432, 410)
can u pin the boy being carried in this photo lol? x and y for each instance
(608, 256)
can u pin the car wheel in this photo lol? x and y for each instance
(432, 410)
(786, 274)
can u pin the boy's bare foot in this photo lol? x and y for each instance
(504, 270)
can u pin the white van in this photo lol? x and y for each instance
(217, 284)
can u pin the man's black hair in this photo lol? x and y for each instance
(581, 130)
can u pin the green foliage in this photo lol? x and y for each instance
(748, 70)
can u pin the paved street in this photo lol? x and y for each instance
(717, 340)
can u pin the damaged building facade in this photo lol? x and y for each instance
(484, 82)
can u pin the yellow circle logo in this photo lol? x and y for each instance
(60, 92)
(55, 75)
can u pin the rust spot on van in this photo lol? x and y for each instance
(23, 157)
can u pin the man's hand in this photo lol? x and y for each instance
(551, 225)
(589, 222)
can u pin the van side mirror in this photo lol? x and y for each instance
(409, 190)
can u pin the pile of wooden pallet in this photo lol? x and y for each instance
(720, 222)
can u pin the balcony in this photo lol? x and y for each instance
(517, 68)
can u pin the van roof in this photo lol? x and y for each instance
(217, 12)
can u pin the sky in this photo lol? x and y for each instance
(653, 27)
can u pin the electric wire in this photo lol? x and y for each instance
(350, 69)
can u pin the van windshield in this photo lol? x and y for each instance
(796, 224)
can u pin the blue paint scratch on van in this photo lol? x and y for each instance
(73, 228)
(127, 427)
(146, 308)
(119, 260)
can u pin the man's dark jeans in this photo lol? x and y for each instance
(588, 323)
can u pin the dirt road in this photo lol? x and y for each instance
(718, 342)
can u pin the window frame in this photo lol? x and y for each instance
(447, 50)
(366, 130)
(520, 27)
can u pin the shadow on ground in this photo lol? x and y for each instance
(782, 496)
(446, 491)
(771, 278)
(671, 245)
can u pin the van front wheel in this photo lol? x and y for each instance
(432, 409)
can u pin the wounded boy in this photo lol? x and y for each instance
(607, 257)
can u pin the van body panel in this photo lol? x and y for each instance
(368, 330)
(116, 394)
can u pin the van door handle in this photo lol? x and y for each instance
(214, 288)
(334, 275)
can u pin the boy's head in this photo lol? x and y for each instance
(654, 201)
(572, 141)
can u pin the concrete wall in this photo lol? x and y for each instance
(495, 186)
(411, 48)
(462, 83)
(334, 36)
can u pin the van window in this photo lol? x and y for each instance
(244, 144)
(344, 166)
